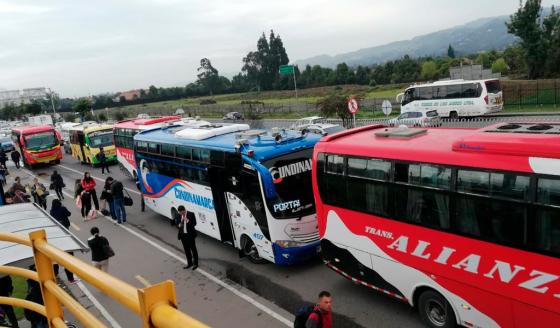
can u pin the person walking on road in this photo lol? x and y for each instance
(57, 184)
(187, 236)
(108, 198)
(321, 317)
(117, 191)
(60, 213)
(98, 246)
(102, 158)
(15, 155)
(88, 183)
(3, 157)
(6, 290)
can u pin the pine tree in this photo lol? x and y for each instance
(450, 52)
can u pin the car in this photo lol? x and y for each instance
(306, 121)
(417, 118)
(324, 128)
(233, 116)
(7, 144)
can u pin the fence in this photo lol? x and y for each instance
(531, 92)
(156, 305)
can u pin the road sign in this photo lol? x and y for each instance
(387, 107)
(352, 106)
(286, 69)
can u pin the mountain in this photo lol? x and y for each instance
(479, 35)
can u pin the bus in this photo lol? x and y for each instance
(462, 224)
(248, 188)
(37, 144)
(87, 139)
(454, 98)
(124, 132)
(64, 129)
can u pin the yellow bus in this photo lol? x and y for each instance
(87, 139)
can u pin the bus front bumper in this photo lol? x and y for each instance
(293, 255)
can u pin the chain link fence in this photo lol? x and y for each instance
(521, 94)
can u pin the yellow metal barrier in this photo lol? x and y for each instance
(156, 305)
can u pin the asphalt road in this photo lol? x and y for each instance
(228, 290)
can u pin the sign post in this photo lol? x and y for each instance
(289, 69)
(353, 109)
(387, 108)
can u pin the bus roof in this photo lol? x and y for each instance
(231, 137)
(88, 127)
(448, 82)
(493, 147)
(26, 129)
(144, 123)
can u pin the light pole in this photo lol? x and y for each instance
(52, 102)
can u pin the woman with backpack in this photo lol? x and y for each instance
(88, 183)
(100, 250)
(57, 184)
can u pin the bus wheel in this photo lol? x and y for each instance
(250, 250)
(453, 115)
(435, 311)
(57, 161)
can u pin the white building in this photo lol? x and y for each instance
(25, 96)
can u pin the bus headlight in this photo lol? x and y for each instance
(288, 243)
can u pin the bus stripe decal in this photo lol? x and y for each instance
(167, 188)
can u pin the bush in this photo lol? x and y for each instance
(102, 117)
(70, 117)
(252, 102)
(208, 102)
(118, 116)
(337, 88)
(372, 83)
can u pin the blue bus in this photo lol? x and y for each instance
(249, 188)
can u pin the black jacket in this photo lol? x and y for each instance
(191, 231)
(96, 244)
(101, 157)
(15, 156)
(117, 190)
(61, 214)
(57, 181)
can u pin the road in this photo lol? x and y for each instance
(226, 289)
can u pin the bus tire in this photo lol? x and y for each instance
(249, 250)
(57, 161)
(453, 115)
(435, 310)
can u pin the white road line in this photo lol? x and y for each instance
(208, 275)
(142, 280)
(75, 226)
(96, 178)
(99, 306)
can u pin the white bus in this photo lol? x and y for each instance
(454, 98)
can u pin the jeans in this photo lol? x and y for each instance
(112, 209)
(120, 212)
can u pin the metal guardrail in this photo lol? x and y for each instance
(156, 305)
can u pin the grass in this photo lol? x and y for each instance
(20, 291)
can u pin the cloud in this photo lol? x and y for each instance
(15, 8)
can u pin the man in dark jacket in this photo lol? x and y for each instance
(3, 157)
(6, 290)
(117, 191)
(60, 213)
(15, 155)
(102, 158)
(187, 236)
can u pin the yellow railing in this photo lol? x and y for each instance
(156, 305)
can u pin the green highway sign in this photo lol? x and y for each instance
(286, 69)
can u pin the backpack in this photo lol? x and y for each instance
(303, 314)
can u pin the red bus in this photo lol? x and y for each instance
(124, 132)
(463, 224)
(37, 144)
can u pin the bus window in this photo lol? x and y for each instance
(423, 207)
(369, 168)
(548, 192)
(440, 92)
(168, 150)
(408, 96)
(509, 185)
(335, 164)
(493, 86)
(425, 93)
(548, 230)
(184, 152)
(435, 176)
(470, 90)
(473, 181)
(454, 91)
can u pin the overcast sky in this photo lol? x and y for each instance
(79, 48)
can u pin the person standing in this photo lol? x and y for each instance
(3, 157)
(34, 295)
(15, 155)
(3, 174)
(187, 236)
(98, 246)
(57, 183)
(6, 290)
(85, 199)
(108, 198)
(88, 183)
(321, 317)
(117, 191)
(102, 158)
(39, 193)
(60, 213)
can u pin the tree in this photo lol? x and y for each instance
(81, 106)
(208, 75)
(335, 104)
(361, 75)
(429, 70)
(483, 59)
(499, 66)
(34, 108)
(526, 24)
(450, 52)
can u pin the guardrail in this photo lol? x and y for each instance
(156, 305)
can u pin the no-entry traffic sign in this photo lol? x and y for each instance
(352, 106)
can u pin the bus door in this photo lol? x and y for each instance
(82, 144)
(217, 177)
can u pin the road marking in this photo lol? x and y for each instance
(96, 178)
(75, 226)
(208, 275)
(142, 280)
(98, 305)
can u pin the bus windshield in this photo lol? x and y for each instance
(101, 139)
(291, 175)
(42, 140)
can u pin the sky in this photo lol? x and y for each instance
(80, 48)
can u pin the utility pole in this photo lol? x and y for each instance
(52, 103)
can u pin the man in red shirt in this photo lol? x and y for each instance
(321, 317)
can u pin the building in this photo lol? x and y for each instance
(25, 96)
(472, 72)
